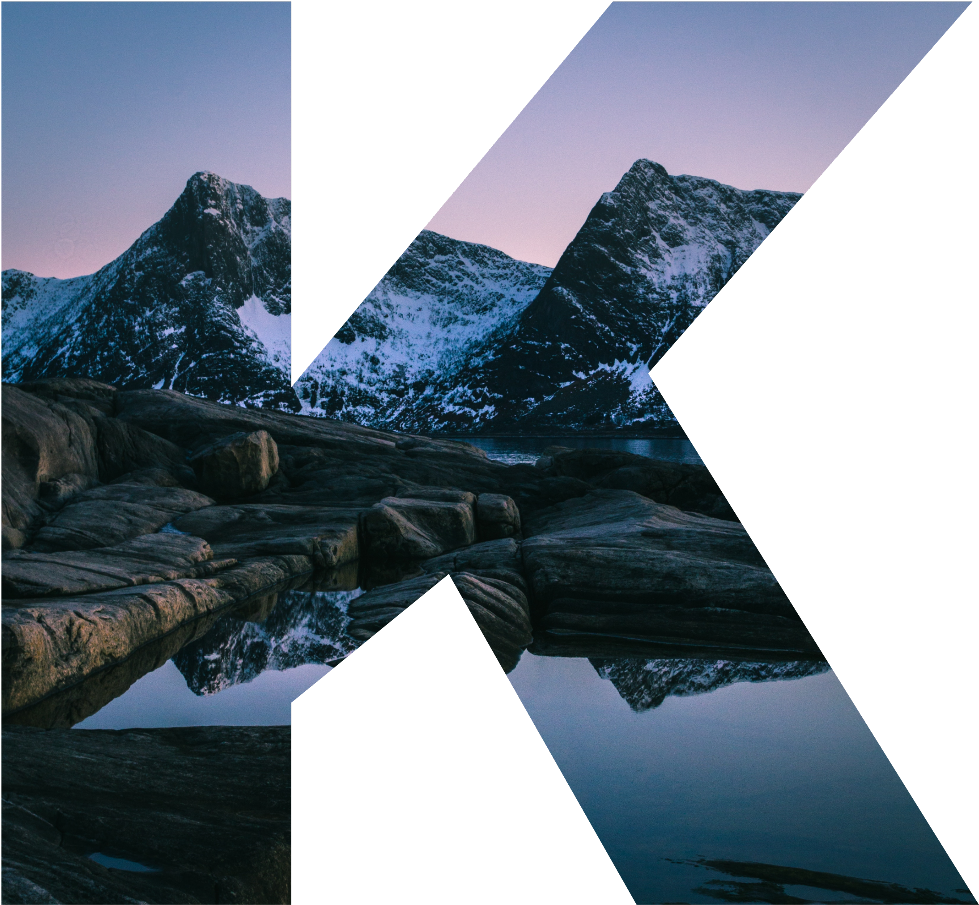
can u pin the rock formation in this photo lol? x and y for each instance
(115, 560)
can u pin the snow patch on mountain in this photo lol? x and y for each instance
(273, 331)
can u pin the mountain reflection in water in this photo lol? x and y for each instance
(304, 627)
(674, 760)
(645, 684)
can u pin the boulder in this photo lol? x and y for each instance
(237, 466)
(205, 810)
(500, 608)
(501, 611)
(370, 612)
(408, 530)
(109, 515)
(497, 517)
(143, 560)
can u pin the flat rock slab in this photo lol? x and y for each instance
(53, 643)
(328, 535)
(409, 530)
(616, 544)
(617, 565)
(147, 559)
(575, 628)
(109, 515)
(205, 810)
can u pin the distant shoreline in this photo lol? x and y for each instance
(666, 434)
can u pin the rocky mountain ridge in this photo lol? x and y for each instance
(394, 360)
(574, 355)
(199, 303)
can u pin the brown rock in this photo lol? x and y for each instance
(408, 530)
(125, 447)
(328, 535)
(616, 565)
(42, 442)
(53, 643)
(238, 465)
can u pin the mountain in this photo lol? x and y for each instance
(199, 303)
(645, 684)
(441, 301)
(459, 337)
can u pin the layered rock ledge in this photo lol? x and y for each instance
(128, 514)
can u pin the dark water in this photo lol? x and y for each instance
(520, 450)
(673, 761)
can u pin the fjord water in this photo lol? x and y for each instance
(526, 450)
(781, 771)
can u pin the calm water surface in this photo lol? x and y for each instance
(527, 450)
(781, 771)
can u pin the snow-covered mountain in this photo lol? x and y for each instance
(395, 359)
(459, 337)
(645, 684)
(200, 303)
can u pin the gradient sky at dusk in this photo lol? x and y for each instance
(755, 95)
(108, 109)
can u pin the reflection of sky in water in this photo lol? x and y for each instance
(243, 671)
(526, 450)
(162, 698)
(782, 772)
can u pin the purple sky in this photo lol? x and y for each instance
(756, 95)
(108, 109)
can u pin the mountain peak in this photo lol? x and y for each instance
(199, 303)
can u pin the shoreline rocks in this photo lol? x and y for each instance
(588, 550)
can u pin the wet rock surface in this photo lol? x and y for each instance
(172, 804)
(328, 535)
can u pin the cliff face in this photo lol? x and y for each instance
(200, 303)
